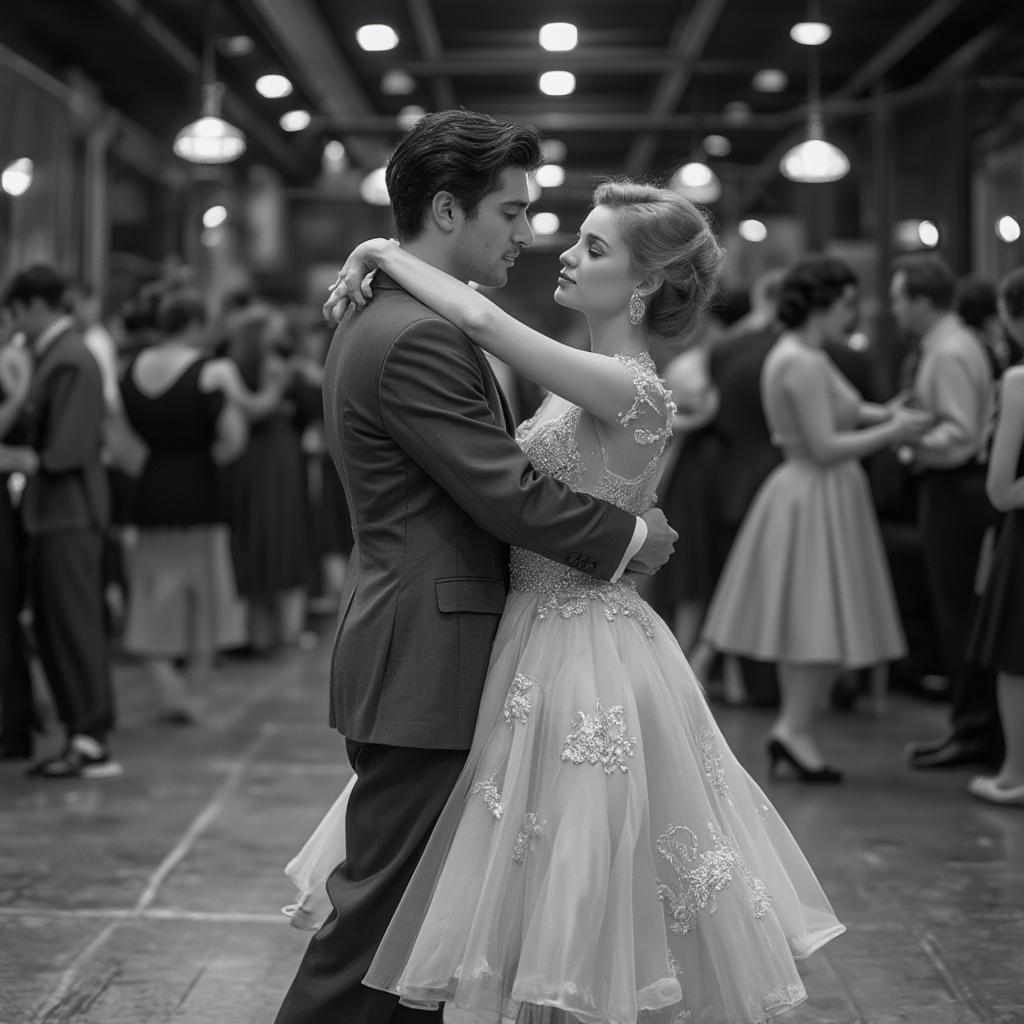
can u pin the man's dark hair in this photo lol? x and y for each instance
(40, 281)
(812, 284)
(456, 151)
(976, 301)
(927, 275)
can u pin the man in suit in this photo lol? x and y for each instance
(953, 381)
(64, 509)
(422, 437)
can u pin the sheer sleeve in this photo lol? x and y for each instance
(650, 416)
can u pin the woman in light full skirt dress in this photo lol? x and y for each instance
(604, 858)
(806, 584)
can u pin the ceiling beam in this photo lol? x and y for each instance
(687, 42)
(913, 33)
(322, 69)
(610, 60)
(429, 40)
(189, 61)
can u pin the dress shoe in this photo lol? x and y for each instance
(83, 758)
(919, 747)
(779, 753)
(951, 755)
(986, 787)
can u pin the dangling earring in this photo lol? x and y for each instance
(637, 308)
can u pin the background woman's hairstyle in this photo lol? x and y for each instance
(667, 235)
(811, 285)
(1011, 291)
(456, 151)
(180, 309)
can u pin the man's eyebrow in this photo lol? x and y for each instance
(521, 203)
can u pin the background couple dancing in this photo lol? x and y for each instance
(546, 823)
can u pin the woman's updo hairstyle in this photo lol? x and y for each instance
(814, 283)
(667, 235)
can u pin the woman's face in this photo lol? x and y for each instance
(1015, 328)
(840, 318)
(597, 277)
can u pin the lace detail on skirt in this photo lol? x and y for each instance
(601, 739)
(567, 592)
(700, 877)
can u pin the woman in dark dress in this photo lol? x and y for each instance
(183, 605)
(267, 493)
(997, 639)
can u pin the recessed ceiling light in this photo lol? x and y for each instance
(334, 151)
(215, 216)
(273, 87)
(717, 145)
(736, 112)
(557, 83)
(376, 37)
(17, 176)
(545, 223)
(810, 33)
(235, 46)
(373, 188)
(770, 80)
(294, 120)
(550, 175)
(1008, 228)
(558, 35)
(397, 82)
(753, 230)
(409, 115)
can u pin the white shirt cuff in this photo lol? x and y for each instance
(638, 541)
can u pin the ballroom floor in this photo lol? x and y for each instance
(154, 897)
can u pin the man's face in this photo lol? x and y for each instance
(23, 317)
(904, 309)
(487, 244)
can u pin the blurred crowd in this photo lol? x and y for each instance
(751, 490)
(165, 495)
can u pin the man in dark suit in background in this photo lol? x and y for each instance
(16, 708)
(422, 437)
(65, 509)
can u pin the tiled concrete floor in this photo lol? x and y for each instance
(154, 897)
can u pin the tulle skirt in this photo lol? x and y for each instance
(807, 579)
(604, 858)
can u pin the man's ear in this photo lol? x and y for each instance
(445, 211)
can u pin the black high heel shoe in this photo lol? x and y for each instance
(778, 751)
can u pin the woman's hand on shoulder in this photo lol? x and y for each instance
(353, 283)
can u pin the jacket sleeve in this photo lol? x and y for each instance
(71, 436)
(434, 404)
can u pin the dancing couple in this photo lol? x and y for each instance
(546, 823)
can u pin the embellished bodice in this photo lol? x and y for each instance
(551, 439)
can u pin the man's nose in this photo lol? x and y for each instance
(524, 233)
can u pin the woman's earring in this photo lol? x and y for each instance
(637, 308)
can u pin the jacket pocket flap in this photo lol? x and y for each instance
(470, 594)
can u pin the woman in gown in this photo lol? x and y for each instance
(996, 640)
(806, 584)
(603, 858)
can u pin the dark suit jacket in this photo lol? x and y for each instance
(63, 421)
(420, 433)
(748, 455)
